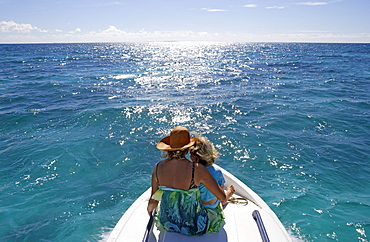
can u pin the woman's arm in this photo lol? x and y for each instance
(152, 204)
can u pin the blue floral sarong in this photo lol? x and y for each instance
(181, 211)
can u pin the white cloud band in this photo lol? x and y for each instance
(11, 32)
(11, 26)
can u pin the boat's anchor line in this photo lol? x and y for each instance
(242, 201)
(239, 200)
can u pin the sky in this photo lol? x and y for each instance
(68, 21)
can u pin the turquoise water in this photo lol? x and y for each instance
(79, 124)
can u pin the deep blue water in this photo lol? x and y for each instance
(79, 124)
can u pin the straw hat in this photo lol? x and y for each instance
(179, 139)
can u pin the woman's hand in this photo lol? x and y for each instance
(229, 192)
(152, 204)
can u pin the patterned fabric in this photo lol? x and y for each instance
(216, 218)
(181, 211)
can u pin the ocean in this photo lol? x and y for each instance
(79, 124)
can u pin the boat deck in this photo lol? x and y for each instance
(235, 228)
(239, 222)
(239, 225)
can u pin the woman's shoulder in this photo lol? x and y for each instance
(200, 168)
(157, 164)
(198, 165)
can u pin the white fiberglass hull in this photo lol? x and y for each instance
(240, 225)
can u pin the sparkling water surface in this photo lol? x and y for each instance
(79, 124)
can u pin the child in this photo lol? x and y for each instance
(205, 153)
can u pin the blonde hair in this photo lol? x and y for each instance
(177, 154)
(204, 149)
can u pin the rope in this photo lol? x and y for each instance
(238, 200)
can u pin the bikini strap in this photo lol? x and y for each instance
(192, 183)
(156, 173)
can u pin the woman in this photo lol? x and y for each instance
(175, 182)
(204, 152)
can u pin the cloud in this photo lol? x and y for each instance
(114, 34)
(214, 10)
(11, 26)
(302, 3)
(113, 30)
(312, 31)
(77, 30)
(312, 3)
(250, 6)
(276, 7)
(104, 4)
(115, 3)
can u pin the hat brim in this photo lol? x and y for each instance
(164, 144)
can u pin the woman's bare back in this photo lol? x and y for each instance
(176, 173)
